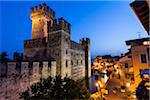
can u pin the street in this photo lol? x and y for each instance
(117, 94)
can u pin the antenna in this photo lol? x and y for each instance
(139, 35)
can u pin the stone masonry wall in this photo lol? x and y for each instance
(17, 81)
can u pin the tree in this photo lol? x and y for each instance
(56, 88)
(3, 57)
(142, 92)
(18, 56)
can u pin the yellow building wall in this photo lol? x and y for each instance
(137, 65)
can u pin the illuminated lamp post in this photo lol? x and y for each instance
(99, 87)
(128, 86)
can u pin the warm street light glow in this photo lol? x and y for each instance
(128, 84)
(96, 84)
(116, 65)
(99, 84)
(134, 96)
(146, 43)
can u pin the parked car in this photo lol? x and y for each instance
(114, 90)
(123, 89)
(132, 96)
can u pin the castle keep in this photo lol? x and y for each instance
(50, 52)
(51, 40)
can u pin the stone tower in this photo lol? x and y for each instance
(42, 17)
(51, 39)
(58, 46)
(86, 44)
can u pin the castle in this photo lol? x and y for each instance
(51, 40)
(50, 52)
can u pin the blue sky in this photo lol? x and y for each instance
(108, 24)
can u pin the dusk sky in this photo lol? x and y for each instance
(108, 24)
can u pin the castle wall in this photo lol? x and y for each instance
(17, 81)
(66, 52)
(65, 55)
(35, 75)
(11, 68)
(77, 64)
(45, 70)
(2, 69)
(34, 47)
(57, 47)
(24, 68)
(34, 52)
(53, 69)
(54, 48)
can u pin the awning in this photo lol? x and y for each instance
(145, 71)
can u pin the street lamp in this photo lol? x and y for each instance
(99, 85)
(128, 85)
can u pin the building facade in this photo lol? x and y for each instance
(51, 38)
(125, 64)
(107, 61)
(141, 9)
(140, 51)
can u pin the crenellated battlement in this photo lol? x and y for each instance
(40, 42)
(61, 24)
(76, 46)
(85, 41)
(42, 9)
(64, 24)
